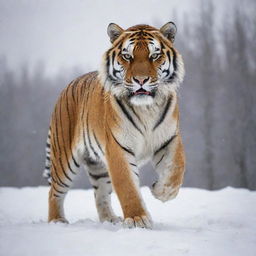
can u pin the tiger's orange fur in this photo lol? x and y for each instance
(95, 125)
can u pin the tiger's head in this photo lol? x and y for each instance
(142, 65)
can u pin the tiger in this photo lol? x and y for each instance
(114, 120)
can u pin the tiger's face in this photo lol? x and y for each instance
(142, 64)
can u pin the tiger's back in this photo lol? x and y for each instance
(69, 126)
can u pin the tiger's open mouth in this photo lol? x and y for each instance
(141, 91)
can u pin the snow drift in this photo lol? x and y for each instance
(197, 222)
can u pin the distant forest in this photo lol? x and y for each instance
(217, 101)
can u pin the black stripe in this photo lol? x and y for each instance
(127, 114)
(174, 59)
(48, 158)
(82, 116)
(58, 177)
(82, 120)
(175, 66)
(48, 145)
(47, 167)
(169, 56)
(65, 152)
(56, 140)
(81, 90)
(108, 181)
(116, 71)
(77, 92)
(90, 161)
(165, 144)
(113, 57)
(132, 36)
(85, 144)
(88, 136)
(55, 195)
(55, 181)
(160, 160)
(74, 160)
(63, 170)
(119, 46)
(99, 176)
(162, 46)
(107, 61)
(124, 148)
(136, 173)
(98, 143)
(134, 112)
(148, 34)
(167, 71)
(133, 164)
(71, 168)
(53, 148)
(56, 135)
(95, 187)
(162, 117)
(74, 84)
(61, 192)
(63, 186)
(110, 77)
(67, 108)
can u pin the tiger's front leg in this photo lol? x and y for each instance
(124, 175)
(170, 166)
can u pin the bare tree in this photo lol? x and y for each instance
(206, 62)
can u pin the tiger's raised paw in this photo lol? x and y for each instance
(138, 222)
(164, 192)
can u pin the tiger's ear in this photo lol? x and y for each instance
(169, 30)
(114, 31)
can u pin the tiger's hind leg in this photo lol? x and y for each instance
(64, 153)
(63, 170)
(100, 180)
(62, 179)
(56, 210)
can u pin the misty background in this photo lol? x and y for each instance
(46, 44)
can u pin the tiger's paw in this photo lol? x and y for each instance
(138, 222)
(112, 219)
(164, 192)
(59, 220)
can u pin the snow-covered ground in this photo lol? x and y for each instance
(198, 222)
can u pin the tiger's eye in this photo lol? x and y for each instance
(154, 56)
(127, 56)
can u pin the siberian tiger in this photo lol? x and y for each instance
(114, 120)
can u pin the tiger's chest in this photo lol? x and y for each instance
(146, 130)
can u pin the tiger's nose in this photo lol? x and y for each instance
(141, 79)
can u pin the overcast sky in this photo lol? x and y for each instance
(68, 33)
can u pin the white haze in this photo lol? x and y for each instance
(67, 34)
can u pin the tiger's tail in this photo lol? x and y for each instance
(47, 169)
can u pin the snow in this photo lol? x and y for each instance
(198, 222)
